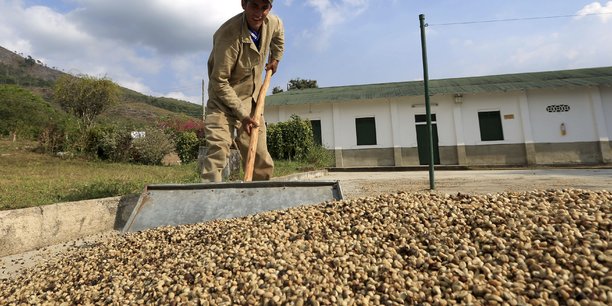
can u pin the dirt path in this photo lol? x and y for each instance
(358, 184)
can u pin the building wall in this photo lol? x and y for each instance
(531, 134)
(497, 154)
(606, 97)
(578, 121)
(606, 118)
(368, 157)
(568, 153)
(410, 156)
(448, 156)
(584, 126)
(508, 106)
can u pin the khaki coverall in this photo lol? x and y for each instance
(235, 69)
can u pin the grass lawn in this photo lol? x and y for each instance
(30, 179)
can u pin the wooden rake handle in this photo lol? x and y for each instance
(259, 107)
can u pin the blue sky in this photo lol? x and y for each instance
(160, 47)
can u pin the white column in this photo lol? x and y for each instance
(337, 134)
(600, 124)
(530, 151)
(395, 132)
(460, 141)
(282, 113)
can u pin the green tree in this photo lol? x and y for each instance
(302, 84)
(85, 97)
(29, 61)
(23, 113)
(276, 90)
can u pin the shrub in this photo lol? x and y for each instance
(61, 136)
(320, 157)
(291, 140)
(151, 149)
(109, 142)
(176, 125)
(187, 146)
(51, 139)
(274, 139)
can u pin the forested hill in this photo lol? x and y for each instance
(35, 76)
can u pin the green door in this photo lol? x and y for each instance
(316, 131)
(423, 139)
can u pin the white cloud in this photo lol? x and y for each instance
(572, 48)
(132, 42)
(135, 85)
(597, 8)
(332, 14)
(182, 65)
(564, 44)
(335, 12)
(49, 26)
(168, 26)
(29, 29)
(160, 47)
(536, 52)
(182, 96)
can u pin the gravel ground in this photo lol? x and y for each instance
(517, 237)
(358, 184)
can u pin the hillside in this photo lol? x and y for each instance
(25, 113)
(25, 71)
(134, 107)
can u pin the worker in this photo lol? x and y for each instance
(241, 47)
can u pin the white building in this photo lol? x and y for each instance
(543, 118)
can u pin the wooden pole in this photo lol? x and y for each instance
(203, 101)
(259, 107)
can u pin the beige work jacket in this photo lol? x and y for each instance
(235, 66)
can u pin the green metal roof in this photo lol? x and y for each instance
(493, 83)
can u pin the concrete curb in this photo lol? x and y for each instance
(27, 229)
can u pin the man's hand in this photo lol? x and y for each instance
(248, 124)
(272, 65)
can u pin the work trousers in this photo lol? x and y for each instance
(218, 129)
